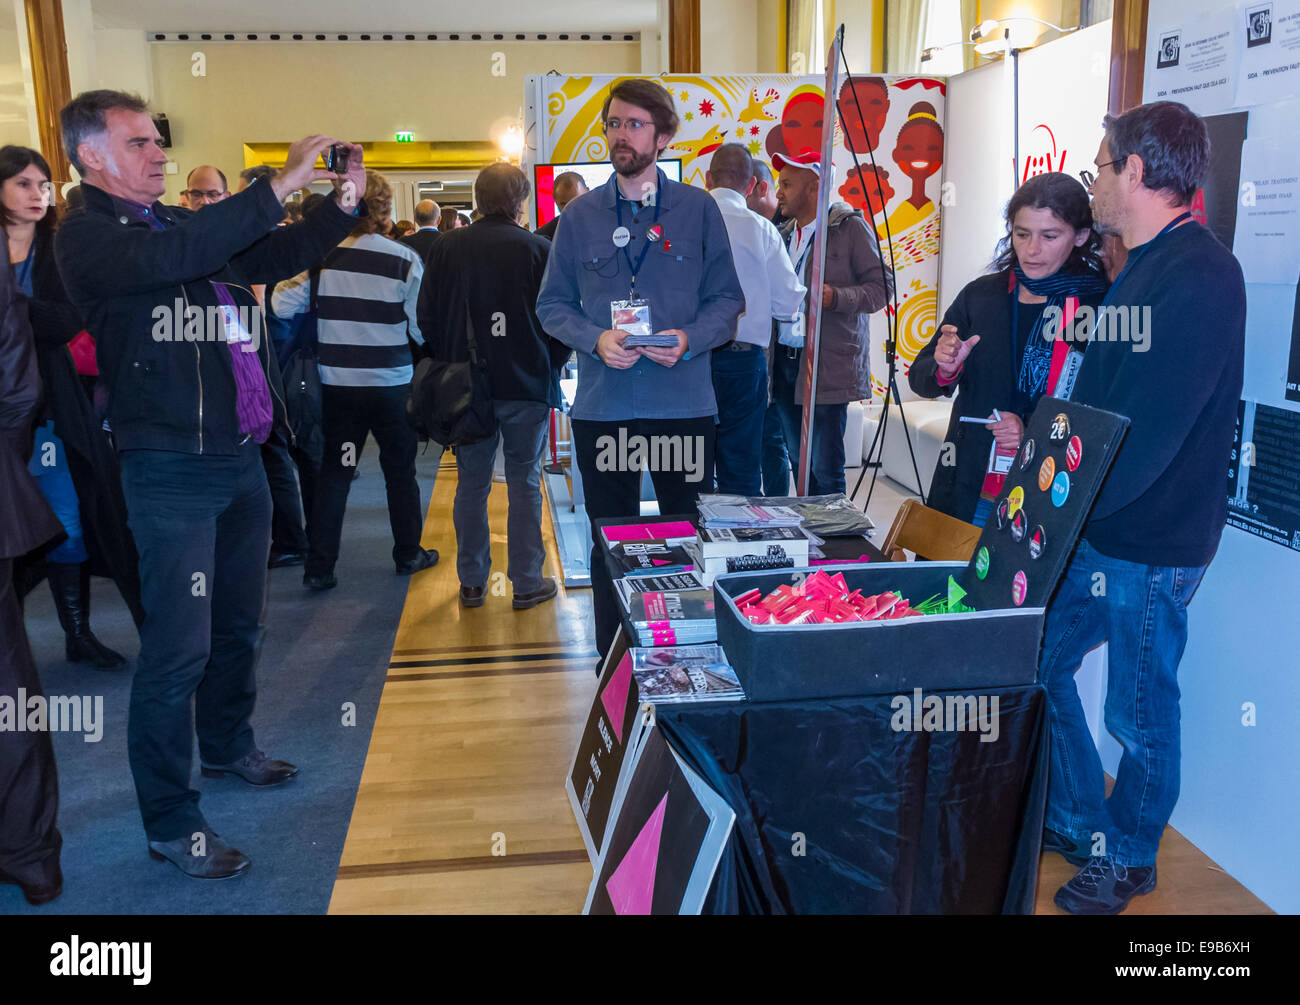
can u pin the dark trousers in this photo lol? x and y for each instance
(287, 532)
(776, 461)
(612, 488)
(29, 786)
(202, 524)
(740, 386)
(348, 415)
(826, 465)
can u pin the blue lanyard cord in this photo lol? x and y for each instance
(634, 269)
(1133, 257)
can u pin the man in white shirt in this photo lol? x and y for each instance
(772, 290)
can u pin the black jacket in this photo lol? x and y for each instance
(495, 266)
(547, 230)
(422, 242)
(123, 276)
(983, 308)
(89, 455)
(26, 520)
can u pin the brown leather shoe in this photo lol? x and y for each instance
(219, 861)
(523, 601)
(37, 894)
(254, 767)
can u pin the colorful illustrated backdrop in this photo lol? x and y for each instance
(903, 119)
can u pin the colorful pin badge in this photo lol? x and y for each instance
(654, 232)
(1001, 513)
(1037, 542)
(1026, 454)
(982, 563)
(1074, 453)
(1018, 526)
(1060, 428)
(1060, 489)
(621, 236)
(1015, 499)
(1046, 473)
(1019, 588)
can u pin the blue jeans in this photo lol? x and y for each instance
(740, 387)
(1141, 612)
(521, 426)
(826, 466)
(776, 461)
(55, 480)
(202, 524)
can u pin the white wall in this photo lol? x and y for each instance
(728, 36)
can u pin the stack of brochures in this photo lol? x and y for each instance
(676, 674)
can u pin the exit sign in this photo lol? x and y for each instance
(405, 137)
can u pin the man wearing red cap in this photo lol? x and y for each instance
(855, 284)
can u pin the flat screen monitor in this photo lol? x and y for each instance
(594, 175)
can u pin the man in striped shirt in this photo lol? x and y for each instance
(365, 305)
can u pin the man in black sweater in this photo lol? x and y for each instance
(1169, 356)
(485, 278)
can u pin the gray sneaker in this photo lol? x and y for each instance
(218, 861)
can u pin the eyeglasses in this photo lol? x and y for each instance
(1089, 178)
(631, 125)
(199, 193)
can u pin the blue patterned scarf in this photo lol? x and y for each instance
(1036, 363)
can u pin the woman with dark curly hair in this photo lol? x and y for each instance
(1004, 340)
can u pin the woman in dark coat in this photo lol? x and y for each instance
(74, 462)
(1007, 338)
(29, 791)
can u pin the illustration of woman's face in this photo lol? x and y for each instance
(801, 125)
(920, 149)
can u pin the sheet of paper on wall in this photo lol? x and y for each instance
(1192, 55)
(1266, 34)
(1267, 239)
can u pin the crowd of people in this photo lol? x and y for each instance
(222, 461)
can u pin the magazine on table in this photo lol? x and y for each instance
(641, 558)
(672, 674)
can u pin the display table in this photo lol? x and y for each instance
(836, 813)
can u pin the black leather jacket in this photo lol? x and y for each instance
(124, 277)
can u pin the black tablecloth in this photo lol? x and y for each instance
(891, 822)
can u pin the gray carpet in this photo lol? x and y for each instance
(320, 651)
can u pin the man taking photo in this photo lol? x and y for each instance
(192, 395)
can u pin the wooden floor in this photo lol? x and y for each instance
(461, 807)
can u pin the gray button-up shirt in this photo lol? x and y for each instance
(687, 277)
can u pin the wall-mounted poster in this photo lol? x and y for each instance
(1266, 34)
(1192, 55)
(896, 120)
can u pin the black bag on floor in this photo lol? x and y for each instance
(451, 403)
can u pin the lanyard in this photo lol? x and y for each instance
(1139, 252)
(634, 269)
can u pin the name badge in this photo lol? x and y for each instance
(631, 316)
(792, 333)
(236, 333)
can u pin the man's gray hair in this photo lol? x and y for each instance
(85, 116)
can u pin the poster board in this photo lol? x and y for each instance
(772, 113)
